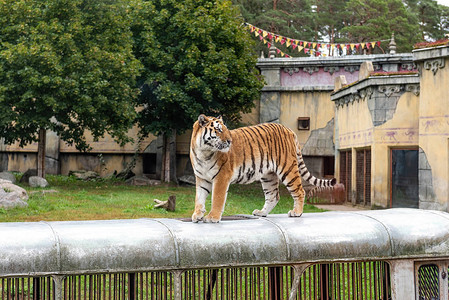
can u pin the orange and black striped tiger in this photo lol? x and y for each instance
(266, 152)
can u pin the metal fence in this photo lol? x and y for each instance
(358, 280)
(392, 254)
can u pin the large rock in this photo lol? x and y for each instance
(8, 176)
(8, 186)
(26, 176)
(11, 199)
(188, 179)
(141, 180)
(84, 175)
(36, 181)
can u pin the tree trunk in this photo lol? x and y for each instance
(166, 159)
(41, 153)
(168, 172)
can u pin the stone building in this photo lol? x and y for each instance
(392, 135)
(297, 94)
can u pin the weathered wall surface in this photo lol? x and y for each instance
(301, 87)
(380, 113)
(316, 106)
(62, 157)
(433, 64)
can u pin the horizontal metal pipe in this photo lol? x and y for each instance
(87, 247)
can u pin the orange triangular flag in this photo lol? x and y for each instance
(352, 46)
(288, 42)
(363, 45)
(264, 33)
(300, 48)
(373, 44)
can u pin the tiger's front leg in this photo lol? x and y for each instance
(219, 194)
(203, 188)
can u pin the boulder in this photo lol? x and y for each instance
(8, 186)
(84, 175)
(8, 176)
(36, 181)
(125, 174)
(187, 179)
(141, 180)
(11, 200)
(26, 176)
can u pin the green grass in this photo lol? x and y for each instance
(110, 199)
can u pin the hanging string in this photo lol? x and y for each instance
(312, 48)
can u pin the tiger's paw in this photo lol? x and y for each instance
(292, 213)
(196, 217)
(259, 213)
(211, 219)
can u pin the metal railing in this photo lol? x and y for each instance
(391, 254)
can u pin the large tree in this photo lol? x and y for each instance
(66, 66)
(291, 18)
(198, 58)
(373, 20)
(432, 18)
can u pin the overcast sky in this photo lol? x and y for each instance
(444, 2)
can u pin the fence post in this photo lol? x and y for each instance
(402, 274)
(299, 269)
(177, 284)
(58, 281)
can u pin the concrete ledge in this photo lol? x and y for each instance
(375, 81)
(316, 88)
(430, 53)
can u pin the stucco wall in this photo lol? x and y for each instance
(434, 127)
(315, 105)
(62, 157)
(359, 126)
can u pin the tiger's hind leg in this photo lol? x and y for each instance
(292, 180)
(270, 185)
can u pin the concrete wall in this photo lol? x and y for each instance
(380, 113)
(301, 87)
(433, 64)
(105, 157)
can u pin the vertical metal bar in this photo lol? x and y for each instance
(131, 286)
(240, 278)
(264, 274)
(36, 288)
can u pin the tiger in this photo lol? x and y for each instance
(269, 153)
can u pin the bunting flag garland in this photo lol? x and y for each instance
(312, 48)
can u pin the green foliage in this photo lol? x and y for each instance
(197, 58)
(376, 19)
(287, 18)
(67, 66)
(350, 21)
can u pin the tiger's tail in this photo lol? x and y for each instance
(305, 174)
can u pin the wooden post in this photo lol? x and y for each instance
(41, 153)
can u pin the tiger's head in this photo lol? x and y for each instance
(211, 134)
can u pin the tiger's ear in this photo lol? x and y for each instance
(202, 120)
(220, 118)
